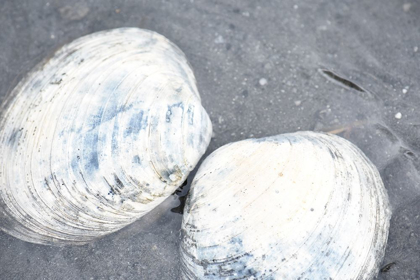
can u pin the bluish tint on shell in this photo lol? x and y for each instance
(98, 135)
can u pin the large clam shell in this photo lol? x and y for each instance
(98, 135)
(295, 206)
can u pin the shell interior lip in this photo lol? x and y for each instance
(97, 135)
(295, 205)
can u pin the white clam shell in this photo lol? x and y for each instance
(295, 206)
(97, 136)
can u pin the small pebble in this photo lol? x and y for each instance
(404, 90)
(298, 102)
(263, 81)
(406, 7)
(416, 49)
(219, 40)
(398, 115)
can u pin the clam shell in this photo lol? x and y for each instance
(295, 206)
(98, 135)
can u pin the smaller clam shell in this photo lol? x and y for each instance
(295, 206)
